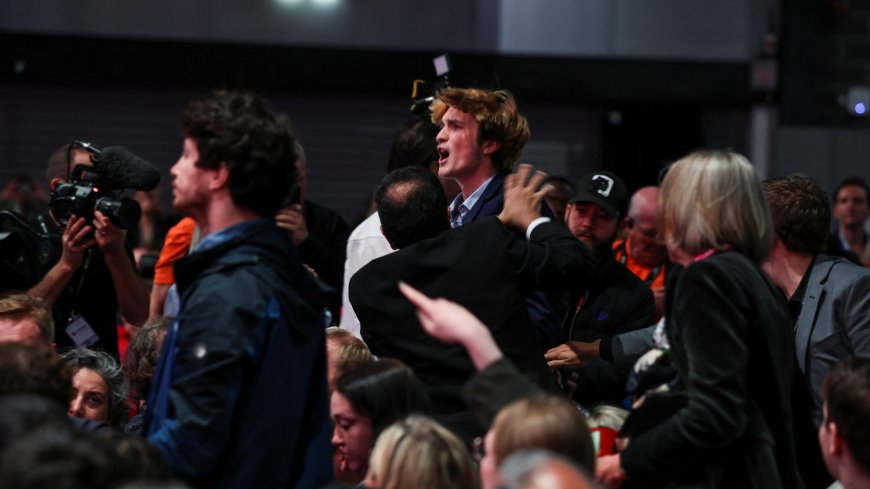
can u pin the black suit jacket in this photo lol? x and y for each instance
(732, 346)
(487, 269)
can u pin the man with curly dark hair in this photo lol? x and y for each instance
(239, 396)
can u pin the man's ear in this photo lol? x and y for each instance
(220, 177)
(836, 444)
(490, 147)
(54, 182)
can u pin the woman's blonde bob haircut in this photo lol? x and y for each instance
(417, 452)
(549, 422)
(713, 200)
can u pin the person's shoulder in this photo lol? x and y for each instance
(721, 267)
(369, 228)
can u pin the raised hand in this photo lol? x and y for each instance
(522, 197)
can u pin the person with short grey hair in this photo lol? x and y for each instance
(539, 469)
(99, 387)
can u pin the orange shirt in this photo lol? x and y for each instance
(653, 277)
(175, 246)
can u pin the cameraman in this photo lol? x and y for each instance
(92, 272)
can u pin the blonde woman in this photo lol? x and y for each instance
(419, 453)
(730, 335)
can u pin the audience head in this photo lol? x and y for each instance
(57, 456)
(414, 146)
(238, 131)
(343, 351)
(542, 469)
(594, 213)
(419, 453)
(412, 206)
(99, 386)
(850, 202)
(486, 125)
(143, 354)
(23, 413)
(641, 226)
(549, 422)
(712, 200)
(28, 369)
(843, 434)
(801, 213)
(366, 400)
(63, 160)
(26, 319)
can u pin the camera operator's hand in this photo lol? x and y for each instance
(76, 240)
(109, 238)
(292, 219)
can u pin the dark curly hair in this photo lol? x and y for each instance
(801, 213)
(257, 145)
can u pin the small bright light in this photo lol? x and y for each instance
(860, 108)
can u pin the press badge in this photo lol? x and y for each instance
(81, 333)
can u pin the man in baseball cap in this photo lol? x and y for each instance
(616, 300)
(594, 213)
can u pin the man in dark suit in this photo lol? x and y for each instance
(828, 298)
(483, 266)
(482, 135)
(851, 210)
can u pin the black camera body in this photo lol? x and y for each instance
(87, 193)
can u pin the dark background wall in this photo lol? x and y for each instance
(626, 85)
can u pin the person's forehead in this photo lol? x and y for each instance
(852, 190)
(23, 330)
(454, 114)
(592, 206)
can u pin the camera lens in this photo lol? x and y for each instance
(123, 213)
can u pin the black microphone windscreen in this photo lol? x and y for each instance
(124, 170)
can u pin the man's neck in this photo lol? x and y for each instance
(853, 476)
(787, 270)
(221, 214)
(470, 184)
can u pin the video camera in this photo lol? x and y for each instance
(98, 187)
(420, 103)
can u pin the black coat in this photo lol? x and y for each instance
(484, 267)
(733, 349)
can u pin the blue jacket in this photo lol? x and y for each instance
(239, 397)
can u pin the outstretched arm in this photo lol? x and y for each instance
(451, 323)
